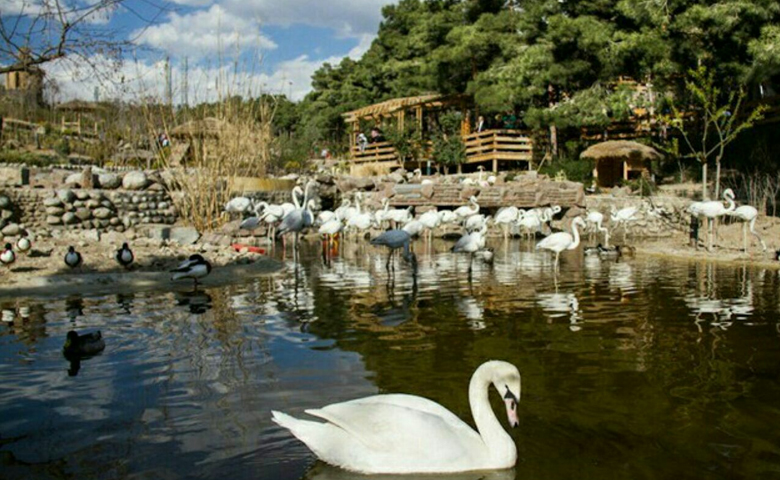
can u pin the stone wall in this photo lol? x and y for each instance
(41, 210)
(661, 218)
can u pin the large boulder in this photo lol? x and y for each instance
(73, 180)
(83, 213)
(102, 213)
(135, 181)
(5, 202)
(109, 181)
(11, 229)
(66, 196)
(69, 218)
(184, 235)
(52, 202)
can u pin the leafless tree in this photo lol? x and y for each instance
(35, 32)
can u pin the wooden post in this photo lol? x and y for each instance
(495, 165)
(625, 170)
(596, 172)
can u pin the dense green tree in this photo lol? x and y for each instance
(553, 61)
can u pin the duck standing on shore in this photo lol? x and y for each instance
(7, 257)
(124, 256)
(24, 244)
(194, 267)
(73, 258)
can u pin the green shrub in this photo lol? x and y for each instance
(62, 147)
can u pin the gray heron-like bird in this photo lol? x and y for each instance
(394, 240)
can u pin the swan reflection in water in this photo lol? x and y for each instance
(197, 301)
(323, 471)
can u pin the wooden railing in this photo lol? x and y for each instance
(498, 145)
(374, 152)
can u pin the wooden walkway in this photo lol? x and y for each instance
(522, 195)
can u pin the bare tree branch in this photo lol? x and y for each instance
(42, 32)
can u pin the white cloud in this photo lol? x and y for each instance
(293, 77)
(349, 18)
(133, 80)
(205, 32)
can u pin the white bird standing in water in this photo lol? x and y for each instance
(748, 214)
(466, 211)
(471, 243)
(506, 217)
(560, 241)
(595, 220)
(622, 217)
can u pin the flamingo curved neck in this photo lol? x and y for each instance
(576, 234)
(295, 193)
(475, 206)
(499, 444)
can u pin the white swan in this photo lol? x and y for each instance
(403, 434)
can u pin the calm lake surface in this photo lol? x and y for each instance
(641, 369)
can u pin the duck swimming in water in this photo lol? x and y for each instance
(73, 258)
(83, 345)
(194, 267)
(7, 257)
(124, 256)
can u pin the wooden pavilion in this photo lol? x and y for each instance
(489, 146)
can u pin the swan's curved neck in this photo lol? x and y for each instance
(499, 444)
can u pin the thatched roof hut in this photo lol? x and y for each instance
(620, 160)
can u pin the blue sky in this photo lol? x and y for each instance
(279, 44)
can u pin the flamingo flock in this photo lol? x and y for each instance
(355, 219)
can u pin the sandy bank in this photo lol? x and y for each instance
(44, 273)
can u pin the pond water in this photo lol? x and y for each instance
(641, 368)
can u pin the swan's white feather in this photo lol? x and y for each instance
(390, 433)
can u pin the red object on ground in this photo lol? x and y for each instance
(249, 248)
